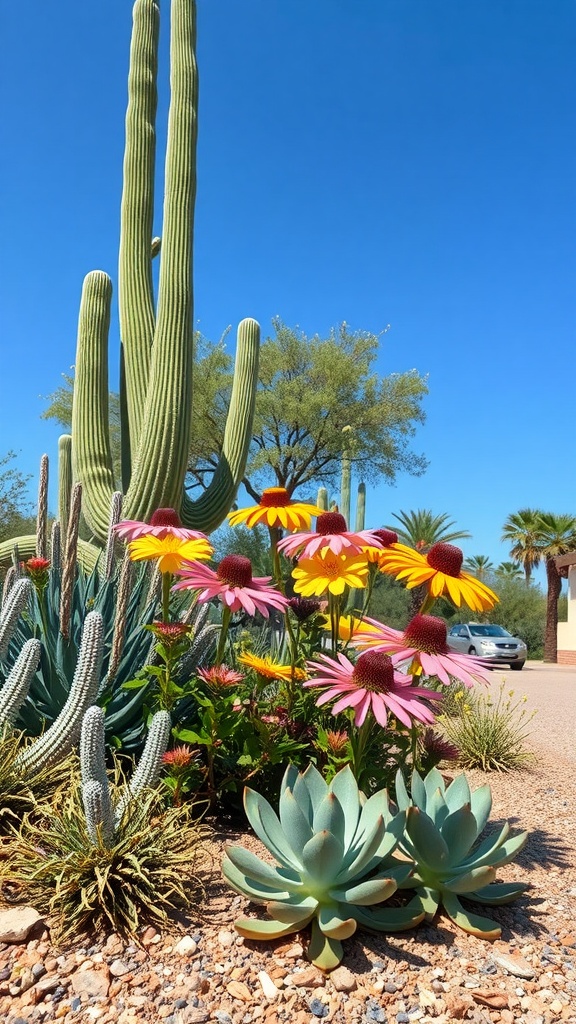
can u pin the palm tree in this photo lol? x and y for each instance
(556, 536)
(479, 565)
(521, 531)
(508, 571)
(422, 529)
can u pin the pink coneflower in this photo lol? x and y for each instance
(233, 585)
(331, 532)
(423, 643)
(370, 685)
(165, 522)
(220, 675)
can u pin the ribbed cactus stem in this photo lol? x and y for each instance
(112, 541)
(322, 499)
(98, 813)
(70, 560)
(65, 482)
(59, 739)
(361, 508)
(95, 786)
(42, 513)
(9, 581)
(15, 604)
(148, 770)
(56, 547)
(15, 688)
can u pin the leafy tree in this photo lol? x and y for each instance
(15, 505)
(60, 410)
(390, 602)
(522, 611)
(479, 566)
(422, 529)
(310, 390)
(521, 531)
(253, 543)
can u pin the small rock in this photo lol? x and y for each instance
(390, 988)
(91, 983)
(226, 939)
(269, 989)
(495, 1000)
(457, 1007)
(318, 1008)
(515, 965)
(343, 980)
(118, 968)
(238, 990)
(309, 977)
(186, 946)
(375, 1012)
(222, 1017)
(17, 922)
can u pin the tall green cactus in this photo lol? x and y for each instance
(156, 341)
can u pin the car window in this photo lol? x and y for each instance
(463, 631)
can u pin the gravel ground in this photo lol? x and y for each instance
(205, 972)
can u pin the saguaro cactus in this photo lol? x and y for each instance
(156, 341)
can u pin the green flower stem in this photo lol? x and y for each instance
(278, 578)
(166, 584)
(334, 603)
(226, 616)
(426, 604)
(359, 743)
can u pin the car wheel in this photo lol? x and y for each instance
(517, 665)
(471, 650)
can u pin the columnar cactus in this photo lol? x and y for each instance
(59, 739)
(156, 358)
(17, 683)
(102, 819)
(17, 599)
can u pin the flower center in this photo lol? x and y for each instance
(445, 558)
(303, 607)
(374, 671)
(275, 497)
(165, 517)
(330, 522)
(387, 537)
(426, 633)
(235, 570)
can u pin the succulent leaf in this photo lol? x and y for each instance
(319, 855)
(459, 831)
(433, 784)
(292, 911)
(365, 894)
(403, 800)
(255, 928)
(483, 852)
(267, 827)
(258, 871)
(324, 952)
(498, 893)
(470, 880)
(247, 887)
(419, 795)
(334, 923)
(481, 927)
(389, 919)
(431, 849)
(481, 805)
(295, 824)
(329, 816)
(458, 793)
(345, 788)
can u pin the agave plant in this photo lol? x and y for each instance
(443, 826)
(333, 847)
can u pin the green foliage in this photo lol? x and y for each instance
(442, 836)
(15, 506)
(334, 850)
(149, 872)
(21, 792)
(421, 529)
(490, 732)
(389, 602)
(252, 543)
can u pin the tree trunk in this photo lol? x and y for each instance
(551, 633)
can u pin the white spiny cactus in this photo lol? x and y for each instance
(16, 601)
(148, 770)
(15, 688)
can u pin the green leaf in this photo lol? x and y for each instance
(321, 857)
(375, 890)
(388, 919)
(366, 851)
(419, 795)
(267, 827)
(334, 923)
(433, 783)
(402, 798)
(498, 893)
(256, 891)
(483, 852)
(134, 684)
(252, 928)
(481, 805)
(329, 817)
(470, 880)
(428, 844)
(459, 831)
(482, 927)
(324, 952)
(297, 913)
(345, 788)
(429, 900)
(295, 825)
(458, 793)
(258, 871)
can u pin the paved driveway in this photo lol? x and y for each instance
(551, 691)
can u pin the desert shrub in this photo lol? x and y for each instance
(490, 732)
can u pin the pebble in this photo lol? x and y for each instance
(515, 965)
(318, 1008)
(269, 988)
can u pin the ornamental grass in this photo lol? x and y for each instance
(490, 732)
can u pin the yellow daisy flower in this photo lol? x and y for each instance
(441, 570)
(271, 669)
(326, 571)
(170, 552)
(276, 508)
(352, 627)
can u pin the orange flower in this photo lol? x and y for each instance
(276, 508)
(441, 570)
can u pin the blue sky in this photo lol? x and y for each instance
(375, 161)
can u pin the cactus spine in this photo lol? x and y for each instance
(17, 599)
(156, 356)
(15, 689)
(101, 819)
(63, 733)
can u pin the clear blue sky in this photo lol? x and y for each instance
(403, 162)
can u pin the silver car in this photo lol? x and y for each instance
(490, 642)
